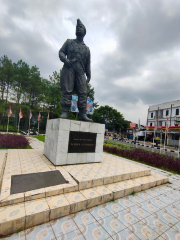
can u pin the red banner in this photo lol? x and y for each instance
(132, 125)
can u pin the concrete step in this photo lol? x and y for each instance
(98, 176)
(31, 213)
(80, 177)
(2, 166)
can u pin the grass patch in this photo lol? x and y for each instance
(19, 230)
(28, 147)
(133, 193)
(112, 200)
(40, 138)
(117, 145)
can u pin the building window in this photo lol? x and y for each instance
(165, 122)
(167, 112)
(176, 137)
(177, 111)
(151, 115)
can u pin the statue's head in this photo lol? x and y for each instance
(80, 28)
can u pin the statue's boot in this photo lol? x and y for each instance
(83, 117)
(64, 115)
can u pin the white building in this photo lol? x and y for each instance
(161, 112)
(170, 110)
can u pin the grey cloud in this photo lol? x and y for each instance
(146, 33)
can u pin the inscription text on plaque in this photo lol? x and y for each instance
(82, 142)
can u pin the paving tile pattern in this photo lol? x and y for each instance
(125, 218)
(128, 176)
(150, 214)
(35, 143)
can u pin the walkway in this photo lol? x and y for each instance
(35, 143)
(150, 214)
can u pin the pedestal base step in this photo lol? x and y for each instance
(31, 213)
(93, 175)
(2, 166)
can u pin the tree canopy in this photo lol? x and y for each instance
(22, 86)
(113, 119)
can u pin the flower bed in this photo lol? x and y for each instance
(154, 159)
(13, 141)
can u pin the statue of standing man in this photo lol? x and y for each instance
(76, 65)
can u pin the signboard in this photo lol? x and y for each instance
(132, 125)
(82, 142)
(74, 105)
(108, 138)
(89, 106)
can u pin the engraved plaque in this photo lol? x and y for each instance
(82, 142)
(32, 181)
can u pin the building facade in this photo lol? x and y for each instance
(163, 114)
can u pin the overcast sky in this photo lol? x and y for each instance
(135, 46)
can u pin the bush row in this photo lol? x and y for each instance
(13, 141)
(154, 159)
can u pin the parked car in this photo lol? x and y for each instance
(24, 133)
(30, 133)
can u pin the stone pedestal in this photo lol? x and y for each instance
(73, 142)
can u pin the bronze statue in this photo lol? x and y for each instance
(76, 65)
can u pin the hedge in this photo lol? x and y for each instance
(151, 158)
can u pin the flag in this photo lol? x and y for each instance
(30, 115)
(39, 116)
(48, 116)
(147, 123)
(139, 124)
(155, 123)
(20, 114)
(167, 124)
(10, 112)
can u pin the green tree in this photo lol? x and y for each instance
(91, 93)
(110, 116)
(3, 113)
(20, 81)
(52, 95)
(34, 87)
(6, 73)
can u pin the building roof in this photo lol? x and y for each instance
(165, 105)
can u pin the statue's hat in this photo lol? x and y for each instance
(80, 23)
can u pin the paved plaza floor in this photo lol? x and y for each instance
(150, 214)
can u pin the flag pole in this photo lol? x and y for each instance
(153, 140)
(161, 140)
(164, 141)
(29, 123)
(144, 139)
(38, 127)
(179, 146)
(18, 125)
(8, 123)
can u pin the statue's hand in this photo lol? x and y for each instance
(68, 63)
(88, 80)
